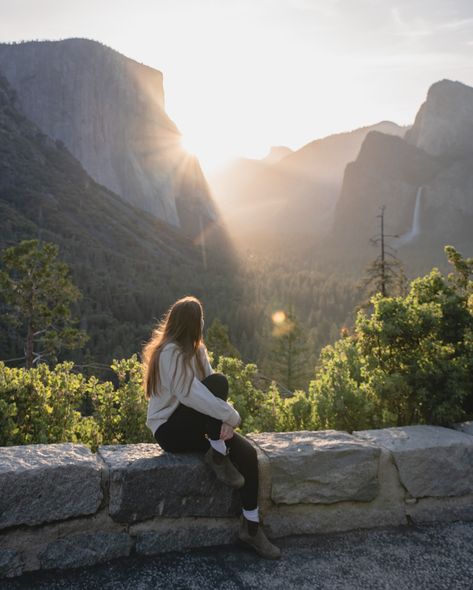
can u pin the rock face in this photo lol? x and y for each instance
(10, 563)
(432, 461)
(466, 427)
(433, 161)
(387, 171)
(108, 110)
(182, 533)
(85, 549)
(444, 123)
(146, 482)
(43, 483)
(319, 467)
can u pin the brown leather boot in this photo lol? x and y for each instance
(251, 533)
(224, 469)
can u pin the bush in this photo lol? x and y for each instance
(409, 362)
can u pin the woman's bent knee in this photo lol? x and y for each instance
(217, 383)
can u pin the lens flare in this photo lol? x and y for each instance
(278, 317)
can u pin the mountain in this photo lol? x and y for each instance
(266, 200)
(444, 123)
(129, 265)
(277, 153)
(425, 181)
(109, 111)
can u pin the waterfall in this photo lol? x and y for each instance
(415, 227)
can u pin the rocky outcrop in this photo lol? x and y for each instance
(108, 110)
(388, 171)
(444, 123)
(425, 182)
(310, 482)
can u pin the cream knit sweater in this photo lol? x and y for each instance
(162, 404)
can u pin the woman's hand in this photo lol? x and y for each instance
(226, 431)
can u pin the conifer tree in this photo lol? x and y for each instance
(385, 274)
(218, 341)
(288, 354)
(38, 293)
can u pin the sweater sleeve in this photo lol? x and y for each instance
(199, 397)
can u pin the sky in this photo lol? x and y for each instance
(243, 75)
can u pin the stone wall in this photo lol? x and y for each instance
(62, 506)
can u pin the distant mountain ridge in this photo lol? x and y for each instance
(294, 195)
(109, 112)
(425, 181)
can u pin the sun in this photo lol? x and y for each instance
(189, 145)
(208, 150)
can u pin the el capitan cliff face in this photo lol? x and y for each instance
(108, 110)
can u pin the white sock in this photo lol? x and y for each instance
(219, 445)
(252, 515)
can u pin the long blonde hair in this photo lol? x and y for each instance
(182, 324)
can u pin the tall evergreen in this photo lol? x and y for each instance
(385, 274)
(288, 353)
(38, 294)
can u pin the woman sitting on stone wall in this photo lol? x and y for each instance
(187, 414)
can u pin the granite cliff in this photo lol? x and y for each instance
(424, 180)
(108, 110)
(444, 123)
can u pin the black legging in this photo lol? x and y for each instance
(185, 431)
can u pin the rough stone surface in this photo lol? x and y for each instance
(320, 467)
(10, 563)
(449, 509)
(85, 549)
(432, 460)
(466, 427)
(145, 482)
(31, 541)
(165, 534)
(43, 483)
(386, 509)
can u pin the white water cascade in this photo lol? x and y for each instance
(415, 227)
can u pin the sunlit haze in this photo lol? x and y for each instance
(240, 76)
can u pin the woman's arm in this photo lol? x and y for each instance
(199, 397)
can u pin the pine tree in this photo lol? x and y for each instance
(38, 294)
(385, 274)
(288, 354)
(218, 341)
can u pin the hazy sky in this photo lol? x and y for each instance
(242, 75)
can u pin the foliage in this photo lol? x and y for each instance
(218, 340)
(288, 361)
(42, 405)
(39, 293)
(410, 361)
(121, 412)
